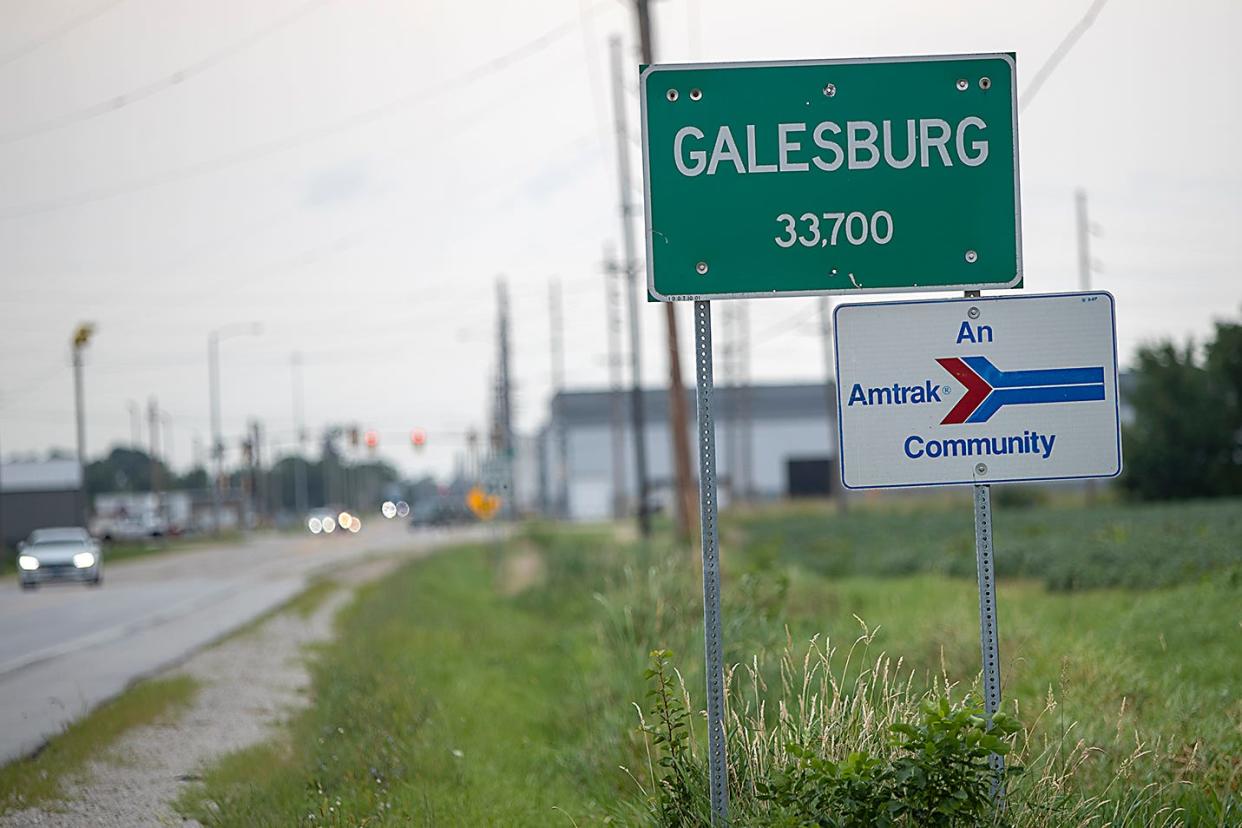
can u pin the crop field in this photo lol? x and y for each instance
(515, 685)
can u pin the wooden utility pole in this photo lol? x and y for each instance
(613, 286)
(504, 402)
(1084, 240)
(686, 499)
(556, 332)
(153, 424)
(638, 426)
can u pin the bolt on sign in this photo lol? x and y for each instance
(831, 177)
(978, 390)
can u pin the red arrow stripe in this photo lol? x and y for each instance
(977, 390)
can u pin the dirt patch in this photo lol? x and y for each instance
(521, 571)
(250, 684)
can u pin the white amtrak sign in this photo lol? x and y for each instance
(978, 390)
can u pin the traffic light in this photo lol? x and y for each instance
(372, 437)
(418, 438)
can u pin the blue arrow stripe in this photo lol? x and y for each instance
(996, 378)
(1019, 396)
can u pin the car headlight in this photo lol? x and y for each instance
(329, 525)
(84, 560)
(314, 525)
(343, 519)
(28, 562)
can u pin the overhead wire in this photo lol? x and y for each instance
(1058, 54)
(198, 253)
(261, 274)
(598, 96)
(115, 103)
(300, 138)
(483, 71)
(58, 32)
(787, 325)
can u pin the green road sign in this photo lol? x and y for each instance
(831, 176)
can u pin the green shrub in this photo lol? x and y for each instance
(932, 770)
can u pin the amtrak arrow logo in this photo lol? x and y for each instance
(988, 389)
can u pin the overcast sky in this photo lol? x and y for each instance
(355, 175)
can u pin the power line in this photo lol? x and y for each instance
(118, 102)
(297, 139)
(598, 95)
(1058, 54)
(60, 31)
(37, 382)
(787, 325)
(250, 277)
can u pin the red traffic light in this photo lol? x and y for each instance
(418, 438)
(372, 438)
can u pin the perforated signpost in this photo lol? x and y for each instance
(803, 178)
(978, 391)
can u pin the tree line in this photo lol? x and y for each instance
(1185, 437)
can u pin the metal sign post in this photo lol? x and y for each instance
(797, 178)
(978, 391)
(987, 621)
(713, 644)
(989, 639)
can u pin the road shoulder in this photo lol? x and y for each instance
(248, 685)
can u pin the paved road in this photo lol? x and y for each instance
(66, 648)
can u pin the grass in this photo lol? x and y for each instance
(41, 779)
(443, 702)
(1064, 546)
(304, 605)
(453, 698)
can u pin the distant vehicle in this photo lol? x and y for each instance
(439, 511)
(330, 520)
(129, 528)
(60, 554)
(135, 516)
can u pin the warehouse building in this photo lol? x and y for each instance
(39, 493)
(772, 441)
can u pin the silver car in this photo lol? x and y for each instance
(63, 554)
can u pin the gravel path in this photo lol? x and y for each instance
(249, 685)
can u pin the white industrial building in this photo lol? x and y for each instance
(772, 441)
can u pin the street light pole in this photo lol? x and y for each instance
(81, 337)
(299, 466)
(213, 390)
(217, 450)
